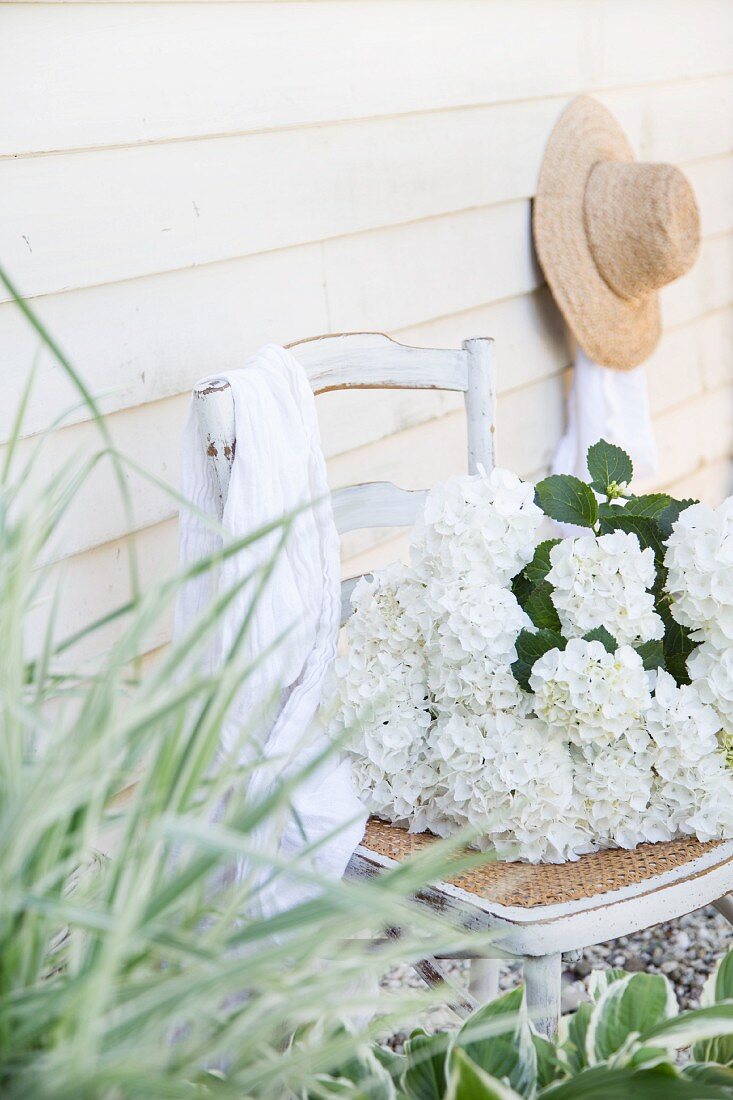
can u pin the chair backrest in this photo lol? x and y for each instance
(370, 360)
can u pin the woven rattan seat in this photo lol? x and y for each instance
(528, 885)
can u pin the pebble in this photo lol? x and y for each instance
(686, 950)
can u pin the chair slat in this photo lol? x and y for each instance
(376, 504)
(373, 361)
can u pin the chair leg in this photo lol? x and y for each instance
(724, 906)
(483, 982)
(542, 977)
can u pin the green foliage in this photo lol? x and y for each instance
(567, 499)
(152, 972)
(540, 608)
(498, 1039)
(620, 1045)
(609, 468)
(600, 634)
(530, 647)
(650, 517)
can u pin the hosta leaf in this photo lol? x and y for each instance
(498, 1039)
(694, 1026)
(425, 1075)
(469, 1082)
(718, 987)
(711, 1074)
(600, 634)
(373, 1080)
(577, 1030)
(567, 499)
(539, 567)
(541, 609)
(652, 654)
(724, 979)
(530, 647)
(600, 980)
(629, 1007)
(608, 464)
(658, 1083)
(549, 1066)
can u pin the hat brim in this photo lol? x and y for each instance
(613, 331)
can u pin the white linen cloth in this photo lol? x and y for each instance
(278, 467)
(606, 404)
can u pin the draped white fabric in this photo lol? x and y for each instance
(611, 405)
(291, 639)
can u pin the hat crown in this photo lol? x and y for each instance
(642, 224)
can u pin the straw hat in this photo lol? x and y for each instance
(609, 233)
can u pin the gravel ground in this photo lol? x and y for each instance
(686, 950)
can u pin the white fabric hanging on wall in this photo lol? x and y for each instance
(278, 467)
(606, 404)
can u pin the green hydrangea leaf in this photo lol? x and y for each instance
(651, 505)
(600, 634)
(609, 466)
(646, 530)
(541, 609)
(531, 645)
(652, 654)
(672, 513)
(567, 499)
(539, 567)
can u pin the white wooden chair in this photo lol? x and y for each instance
(535, 912)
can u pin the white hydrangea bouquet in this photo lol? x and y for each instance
(560, 696)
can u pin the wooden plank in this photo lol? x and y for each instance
(178, 204)
(712, 180)
(136, 342)
(150, 65)
(154, 337)
(378, 435)
(96, 582)
(705, 287)
(410, 273)
(183, 203)
(679, 121)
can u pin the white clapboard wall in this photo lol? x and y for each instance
(183, 181)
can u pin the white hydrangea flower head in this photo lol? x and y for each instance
(693, 783)
(605, 581)
(479, 528)
(483, 620)
(613, 784)
(589, 695)
(699, 560)
(511, 779)
(711, 672)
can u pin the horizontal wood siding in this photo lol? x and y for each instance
(189, 180)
